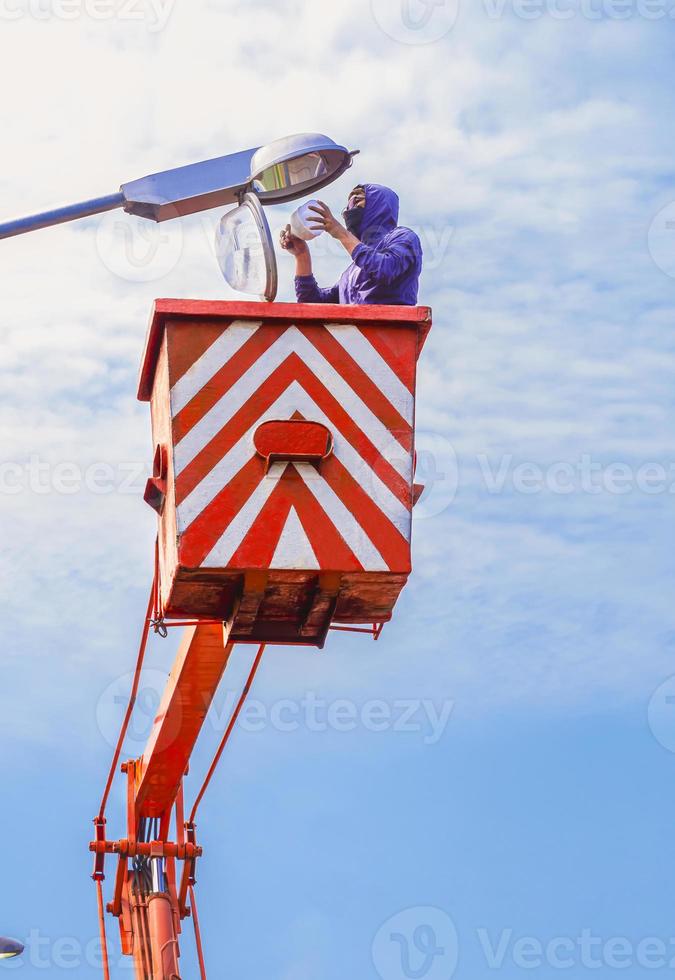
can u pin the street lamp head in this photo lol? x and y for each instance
(295, 166)
(282, 170)
(9, 948)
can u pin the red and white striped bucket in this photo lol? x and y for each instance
(284, 453)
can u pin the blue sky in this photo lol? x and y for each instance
(532, 800)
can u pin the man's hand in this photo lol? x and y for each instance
(324, 220)
(291, 243)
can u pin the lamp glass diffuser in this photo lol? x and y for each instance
(295, 166)
(245, 251)
(302, 173)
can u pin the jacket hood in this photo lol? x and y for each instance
(380, 214)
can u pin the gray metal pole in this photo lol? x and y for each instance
(60, 215)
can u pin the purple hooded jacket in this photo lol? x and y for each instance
(386, 265)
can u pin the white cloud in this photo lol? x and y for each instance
(551, 335)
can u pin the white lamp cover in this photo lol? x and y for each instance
(245, 251)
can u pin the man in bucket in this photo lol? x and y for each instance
(386, 259)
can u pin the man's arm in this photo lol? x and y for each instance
(306, 288)
(307, 291)
(387, 264)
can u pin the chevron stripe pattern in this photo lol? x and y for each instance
(353, 513)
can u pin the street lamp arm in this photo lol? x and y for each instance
(58, 216)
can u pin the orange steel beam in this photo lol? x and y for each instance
(162, 937)
(192, 684)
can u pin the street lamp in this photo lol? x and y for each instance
(9, 948)
(283, 170)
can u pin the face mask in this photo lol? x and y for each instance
(353, 220)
